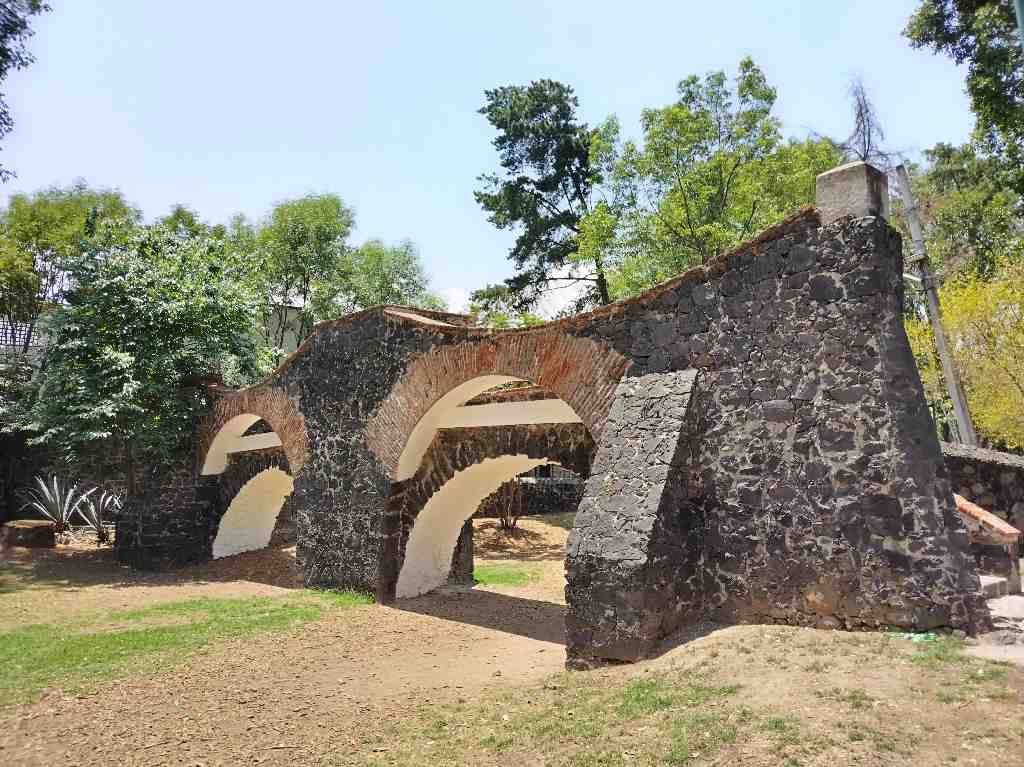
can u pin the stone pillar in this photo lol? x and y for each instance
(855, 189)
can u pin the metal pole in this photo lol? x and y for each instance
(920, 260)
(1018, 6)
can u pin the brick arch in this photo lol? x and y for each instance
(239, 410)
(581, 371)
(455, 454)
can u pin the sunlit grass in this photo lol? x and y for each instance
(503, 575)
(40, 656)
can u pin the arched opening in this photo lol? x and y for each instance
(238, 435)
(482, 436)
(249, 521)
(428, 553)
(248, 462)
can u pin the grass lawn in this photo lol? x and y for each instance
(503, 575)
(103, 646)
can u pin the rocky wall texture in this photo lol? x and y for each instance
(762, 448)
(990, 478)
(633, 559)
(174, 520)
(168, 522)
(533, 498)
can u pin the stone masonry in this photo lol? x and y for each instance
(762, 447)
(989, 478)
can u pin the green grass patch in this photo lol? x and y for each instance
(40, 656)
(503, 575)
(645, 696)
(576, 719)
(940, 651)
(698, 733)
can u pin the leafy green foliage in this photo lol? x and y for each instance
(493, 306)
(984, 320)
(42, 233)
(544, 189)
(98, 506)
(969, 211)
(14, 34)
(389, 275)
(303, 259)
(711, 171)
(148, 319)
(983, 35)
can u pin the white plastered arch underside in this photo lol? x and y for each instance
(450, 412)
(428, 553)
(249, 522)
(231, 439)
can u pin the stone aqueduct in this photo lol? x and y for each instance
(753, 436)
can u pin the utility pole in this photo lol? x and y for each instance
(1018, 6)
(920, 261)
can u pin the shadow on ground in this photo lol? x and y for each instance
(80, 566)
(521, 544)
(532, 618)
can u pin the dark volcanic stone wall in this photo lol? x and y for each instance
(763, 448)
(174, 522)
(989, 478)
(633, 564)
(537, 498)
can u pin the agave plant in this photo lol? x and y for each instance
(55, 500)
(95, 509)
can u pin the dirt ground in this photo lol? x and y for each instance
(324, 693)
(258, 697)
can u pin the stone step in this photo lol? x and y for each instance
(993, 587)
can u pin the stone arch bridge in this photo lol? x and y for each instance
(753, 436)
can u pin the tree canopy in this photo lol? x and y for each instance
(982, 34)
(303, 254)
(15, 32)
(382, 274)
(984, 319)
(543, 190)
(41, 234)
(712, 169)
(140, 317)
(146, 320)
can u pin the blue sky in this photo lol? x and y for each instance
(230, 105)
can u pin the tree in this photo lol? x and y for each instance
(380, 274)
(971, 217)
(865, 141)
(983, 35)
(145, 322)
(182, 221)
(984, 320)
(14, 34)
(545, 187)
(711, 171)
(494, 307)
(302, 252)
(40, 234)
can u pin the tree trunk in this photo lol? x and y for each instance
(602, 282)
